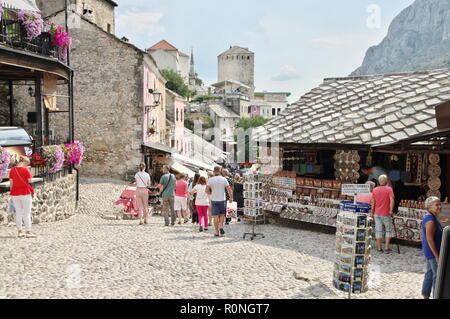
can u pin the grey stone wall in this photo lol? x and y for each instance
(108, 101)
(53, 201)
(103, 11)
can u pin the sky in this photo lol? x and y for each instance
(297, 43)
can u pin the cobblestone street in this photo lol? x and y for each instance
(88, 256)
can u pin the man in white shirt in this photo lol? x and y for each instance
(217, 188)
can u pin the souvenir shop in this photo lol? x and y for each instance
(308, 188)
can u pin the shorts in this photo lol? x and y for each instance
(180, 203)
(219, 208)
(386, 223)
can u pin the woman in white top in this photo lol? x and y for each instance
(201, 203)
(143, 181)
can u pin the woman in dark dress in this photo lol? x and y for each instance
(192, 207)
(239, 195)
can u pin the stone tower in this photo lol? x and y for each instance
(100, 12)
(237, 64)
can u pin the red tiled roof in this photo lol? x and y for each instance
(163, 45)
(183, 54)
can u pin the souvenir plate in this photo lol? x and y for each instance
(434, 193)
(434, 159)
(434, 171)
(434, 183)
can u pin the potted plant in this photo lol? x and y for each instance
(32, 23)
(54, 158)
(73, 153)
(4, 162)
(61, 39)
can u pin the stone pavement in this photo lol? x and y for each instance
(88, 256)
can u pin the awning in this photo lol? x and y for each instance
(21, 4)
(189, 161)
(182, 169)
(160, 147)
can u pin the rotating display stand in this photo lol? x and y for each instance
(253, 204)
(353, 250)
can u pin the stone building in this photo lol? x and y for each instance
(100, 12)
(175, 114)
(237, 64)
(169, 57)
(269, 104)
(113, 105)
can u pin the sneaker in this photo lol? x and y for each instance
(388, 251)
(380, 251)
(206, 229)
(21, 235)
(201, 229)
(216, 235)
(222, 232)
(30, 236)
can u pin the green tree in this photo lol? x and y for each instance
(176, 83)
(252, 122)
(246, 123)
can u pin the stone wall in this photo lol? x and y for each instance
(103, 10)
(108, 101)
(53, 201)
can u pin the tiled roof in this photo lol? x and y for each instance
(163, 45)
(363, 110)
(223, 111)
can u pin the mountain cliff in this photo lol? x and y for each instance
(418, 39)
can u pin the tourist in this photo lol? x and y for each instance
(191, 204)
(181, 195)
(217, 187)
(383, 203)
(143, 182)
(21, 192)
(201, 203)
(210, 217)
(167, 190)
(226, 174)
(366, 198)
(238, 194)
(431, 244)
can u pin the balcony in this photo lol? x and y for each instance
(14, 35)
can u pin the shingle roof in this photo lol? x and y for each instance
(363, 110)
(223, 111)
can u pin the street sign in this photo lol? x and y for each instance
(355, 189)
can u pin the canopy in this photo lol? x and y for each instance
(189, 161)
(21, 4)
(182, 169)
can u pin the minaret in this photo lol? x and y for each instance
(192, 75)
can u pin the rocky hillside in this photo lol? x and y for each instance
(418, 39)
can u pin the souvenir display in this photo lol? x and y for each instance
(353, 250)
(408, 220)
(347, 166)
(253, 202)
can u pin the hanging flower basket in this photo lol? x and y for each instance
(32, 22)
(4, 162)
(73, 153)
(61, 39)
(54, 158)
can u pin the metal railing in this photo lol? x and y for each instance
(13, 34)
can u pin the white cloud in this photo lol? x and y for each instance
(135, 24)
(286, 73)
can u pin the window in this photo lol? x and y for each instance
(178, 114)
(248, 58)
(109, 28)
(279, 111)
(273, 112)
